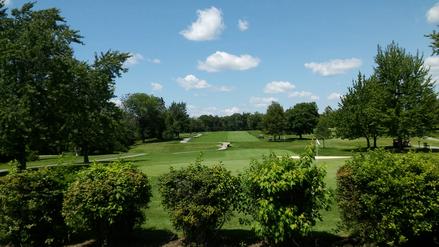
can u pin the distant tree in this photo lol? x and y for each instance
(323, 129)
(408, 92)
(361, 111)
(35, 75)
(149, 111)
(255, 121)
(196, 125)
(177, 119)
(302, 118)
(93, 117)
(274, 120)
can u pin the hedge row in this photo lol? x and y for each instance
(44, 207)
(385, 199)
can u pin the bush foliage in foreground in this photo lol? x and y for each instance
(30, 208)
(284, 196)
(390, 199)
(199, 198)
(106, 200)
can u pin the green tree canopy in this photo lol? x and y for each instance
(149, 111)
(411, 102)
(34, 78)
(302, 118)
(274, 120)
(361, 111)
(177, 119)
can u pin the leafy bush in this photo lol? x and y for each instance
(30, 208)
(106, 200)
(199, 198)
(284, 196)
(389, 199)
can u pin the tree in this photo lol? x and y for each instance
(92, 115)
(274, 120)
(34, 78)
(302, 118)
(149, 111)
(361, 111)
(177, 119)
(408, 91)
(323, 129)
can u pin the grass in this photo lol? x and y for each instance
(158, 157)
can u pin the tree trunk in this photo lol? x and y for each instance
(300, 136)
(21, 157)
(368, 142)
(85, 153)
(323, 143)
(374, 141)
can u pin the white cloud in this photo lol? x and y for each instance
(208, 25)
(154, 60)
(278, 87)
(334, 67)
(433, 14)
(192, 82)
(134, 58)
(334, 96)
(156, 86)
(224, 61)
(231, 111)
(261, 101)
(243, 25)
(223, 88)
(433, 64)
(303, 94)
(6, 2)
(195, 111)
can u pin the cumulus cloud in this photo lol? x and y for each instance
(278, 87)
(334, 67)
(154, 60)
(224, 61)
(433, 14)
(208, 25)
(156, 86)
(231, 111)
(334, 96)
(116, 101)
(243, 25)
(192, 82)
(303, 94)
(134, 58)
(261, 101)
(195, 111)
(433, 64)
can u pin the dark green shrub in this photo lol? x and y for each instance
(199, 199)
(106, 200)
(389, 199)
(284, 196)
(30, 208)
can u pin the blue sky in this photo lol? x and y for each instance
(222, 57)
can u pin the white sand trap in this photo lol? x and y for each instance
(224, 146)
(198, 135)
(185, 140)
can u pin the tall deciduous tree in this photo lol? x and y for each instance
(149, 111)
(361, 111)
(274, 120)
(177, 119)
(410, 100)
(93, 116)
(34, 78)
(302, 118)
(323, 129)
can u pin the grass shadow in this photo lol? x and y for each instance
(146, 238)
